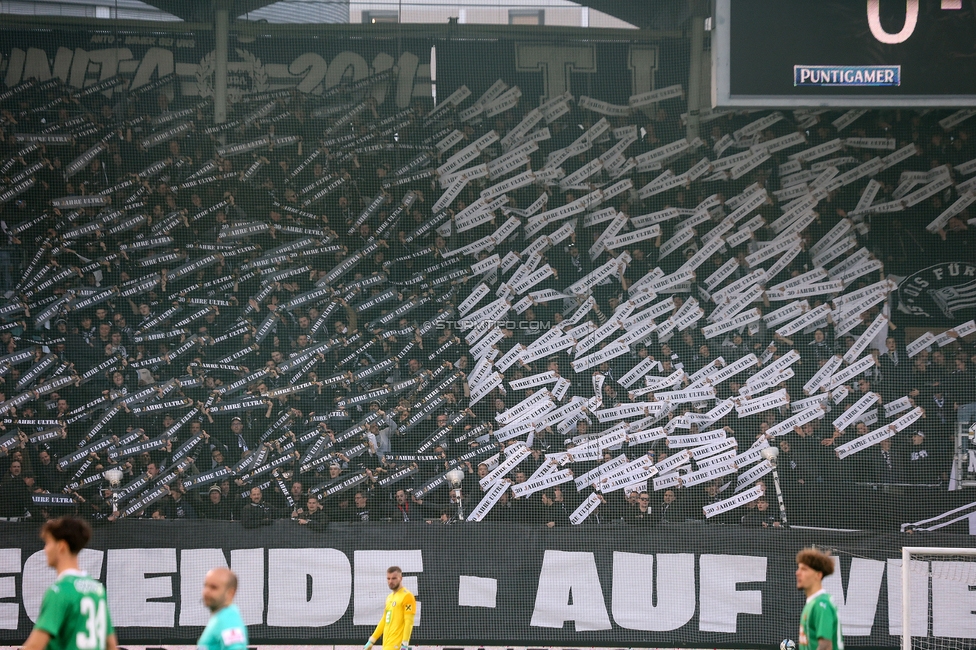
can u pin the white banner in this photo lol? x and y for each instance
(696, 439)
(542, 482)
(585, 509)
(488, 501)
(477, 294)
(850, 372)
(714, 449)
(516, 456)
(809, 318)
(761, 404)
(725, 505)
(863, 442)
(743, 319)
(892, 409)
(847, 119)
(798, 420)
(594, 476)
(626, 239)
(774, 248)
(859, 407)
(871, 143)
(520, 409)
(783, 314)
(611, 351)
(865, 338)
(754, 475)
(479, 392)
(513, 430)
(707, 474)
(533, 380)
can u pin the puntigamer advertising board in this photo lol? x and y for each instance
(797, 53)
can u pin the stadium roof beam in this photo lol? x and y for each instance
(662, 15)
(198, 11)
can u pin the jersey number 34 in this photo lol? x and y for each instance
(93, 638)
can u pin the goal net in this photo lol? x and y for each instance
(939, 598)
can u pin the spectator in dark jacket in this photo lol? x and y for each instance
(256, 512)
(312, 515)
(15, 494)
(553, 513)
(214, 507)
(176, 506)
(643, 514)
(760, 516)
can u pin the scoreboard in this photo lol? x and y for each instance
(844, 53)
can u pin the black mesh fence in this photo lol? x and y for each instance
(540, 309)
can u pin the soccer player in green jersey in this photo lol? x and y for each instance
(819, 623)
(225, 630)
(74, 612)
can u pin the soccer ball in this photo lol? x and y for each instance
(787, 644)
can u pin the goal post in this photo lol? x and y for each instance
(954, 569)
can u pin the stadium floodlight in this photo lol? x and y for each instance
(113, 476)
(770, 454)
(454, 478)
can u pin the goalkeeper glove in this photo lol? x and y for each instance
(369, 644)
(404, 646)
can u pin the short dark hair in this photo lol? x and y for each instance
(75, 532)
(394, 569)
(816, 560)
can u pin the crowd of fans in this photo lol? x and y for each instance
(275, 330)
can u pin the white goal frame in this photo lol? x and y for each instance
(906, 611)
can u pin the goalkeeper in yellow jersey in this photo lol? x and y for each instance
(397, 622)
